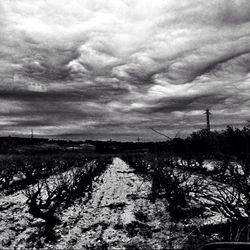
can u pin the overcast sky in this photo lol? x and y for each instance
(101, 69)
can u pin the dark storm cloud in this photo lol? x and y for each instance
(118, 67)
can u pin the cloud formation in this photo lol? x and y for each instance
(112, 69)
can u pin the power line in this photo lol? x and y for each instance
(161, 134)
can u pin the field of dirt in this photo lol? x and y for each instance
(118, 215)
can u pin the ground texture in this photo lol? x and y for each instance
(118, 214)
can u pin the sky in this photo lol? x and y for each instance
(113, 69)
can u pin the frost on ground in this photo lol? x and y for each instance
(117, 215)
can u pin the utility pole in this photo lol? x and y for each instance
(31, 134)
(138, 139)
(207, 113)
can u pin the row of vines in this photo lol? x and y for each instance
(51, 183)
(193, 193)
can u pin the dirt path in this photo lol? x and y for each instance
(118, 214)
